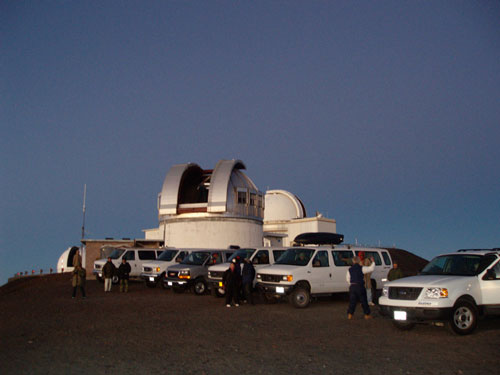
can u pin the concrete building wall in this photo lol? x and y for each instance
(212, 232)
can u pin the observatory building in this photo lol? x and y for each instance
(220, 207)
(209, 207)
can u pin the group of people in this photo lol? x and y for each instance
(238, 282)
(123, 271)
(108, 271)
(360, 285)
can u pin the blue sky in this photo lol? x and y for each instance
(382, 115)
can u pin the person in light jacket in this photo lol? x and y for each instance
(357, 291)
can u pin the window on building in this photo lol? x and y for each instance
(242, 197)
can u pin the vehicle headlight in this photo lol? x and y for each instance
(385, 291)
(287, 278)
(184, 274)
(436, 293)
(259, 276)
(209, 274)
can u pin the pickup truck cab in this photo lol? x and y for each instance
(154, 272)
(303, 272)
(192, 272)
(261, 257)
(455, 288)
(134, 256)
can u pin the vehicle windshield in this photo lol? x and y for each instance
(242, 253)
(295, 257)
(196, 258)
(458, 265)
(167, 255)
(116, 253)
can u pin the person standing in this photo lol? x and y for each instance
(247, 276)
(368, 282)
(77, 259)
(395, 272)
(357, 290)
(108, 272)
(123, 275)
(79, 275)
(232, 281)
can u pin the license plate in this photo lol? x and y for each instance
(280, 289)
(170, 283)
(151, 279)
(399, 315)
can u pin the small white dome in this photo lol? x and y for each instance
(282, 205)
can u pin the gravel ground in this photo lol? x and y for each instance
(44, 331)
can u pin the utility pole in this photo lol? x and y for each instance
(84, 197)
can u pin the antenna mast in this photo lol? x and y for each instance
(84, 197)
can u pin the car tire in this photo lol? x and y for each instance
(163, 282)
(300, 298)
(150, 284)
(218, 292)
(115, 279)
(463, 319)
(403, 326)
(200, 287)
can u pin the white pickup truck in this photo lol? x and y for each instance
(456, 288)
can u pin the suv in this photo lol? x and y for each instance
(155, 272)
(192, 272)
(134, 256)
(456, 288)
(302, 272)
(260, 258)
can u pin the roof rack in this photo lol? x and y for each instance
(463, 250)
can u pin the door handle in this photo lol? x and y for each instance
(308, 271)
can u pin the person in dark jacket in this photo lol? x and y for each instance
(232, 282)
(108, 271)
(123, 275)
(357, 291)
(79, 275)
(247, 276)
(395, 272)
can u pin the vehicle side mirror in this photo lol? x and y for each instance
(490, 275)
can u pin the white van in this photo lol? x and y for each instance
(134, 256)
(154, 272)
(260, 257)
(302, 272)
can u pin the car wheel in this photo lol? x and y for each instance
(218, 292)
(200, 287)
(163, 282)
(115, 279)
(150, 284)
(300, 298)
(403, 326)
(463, 319)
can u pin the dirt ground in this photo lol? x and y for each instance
(44, 331)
